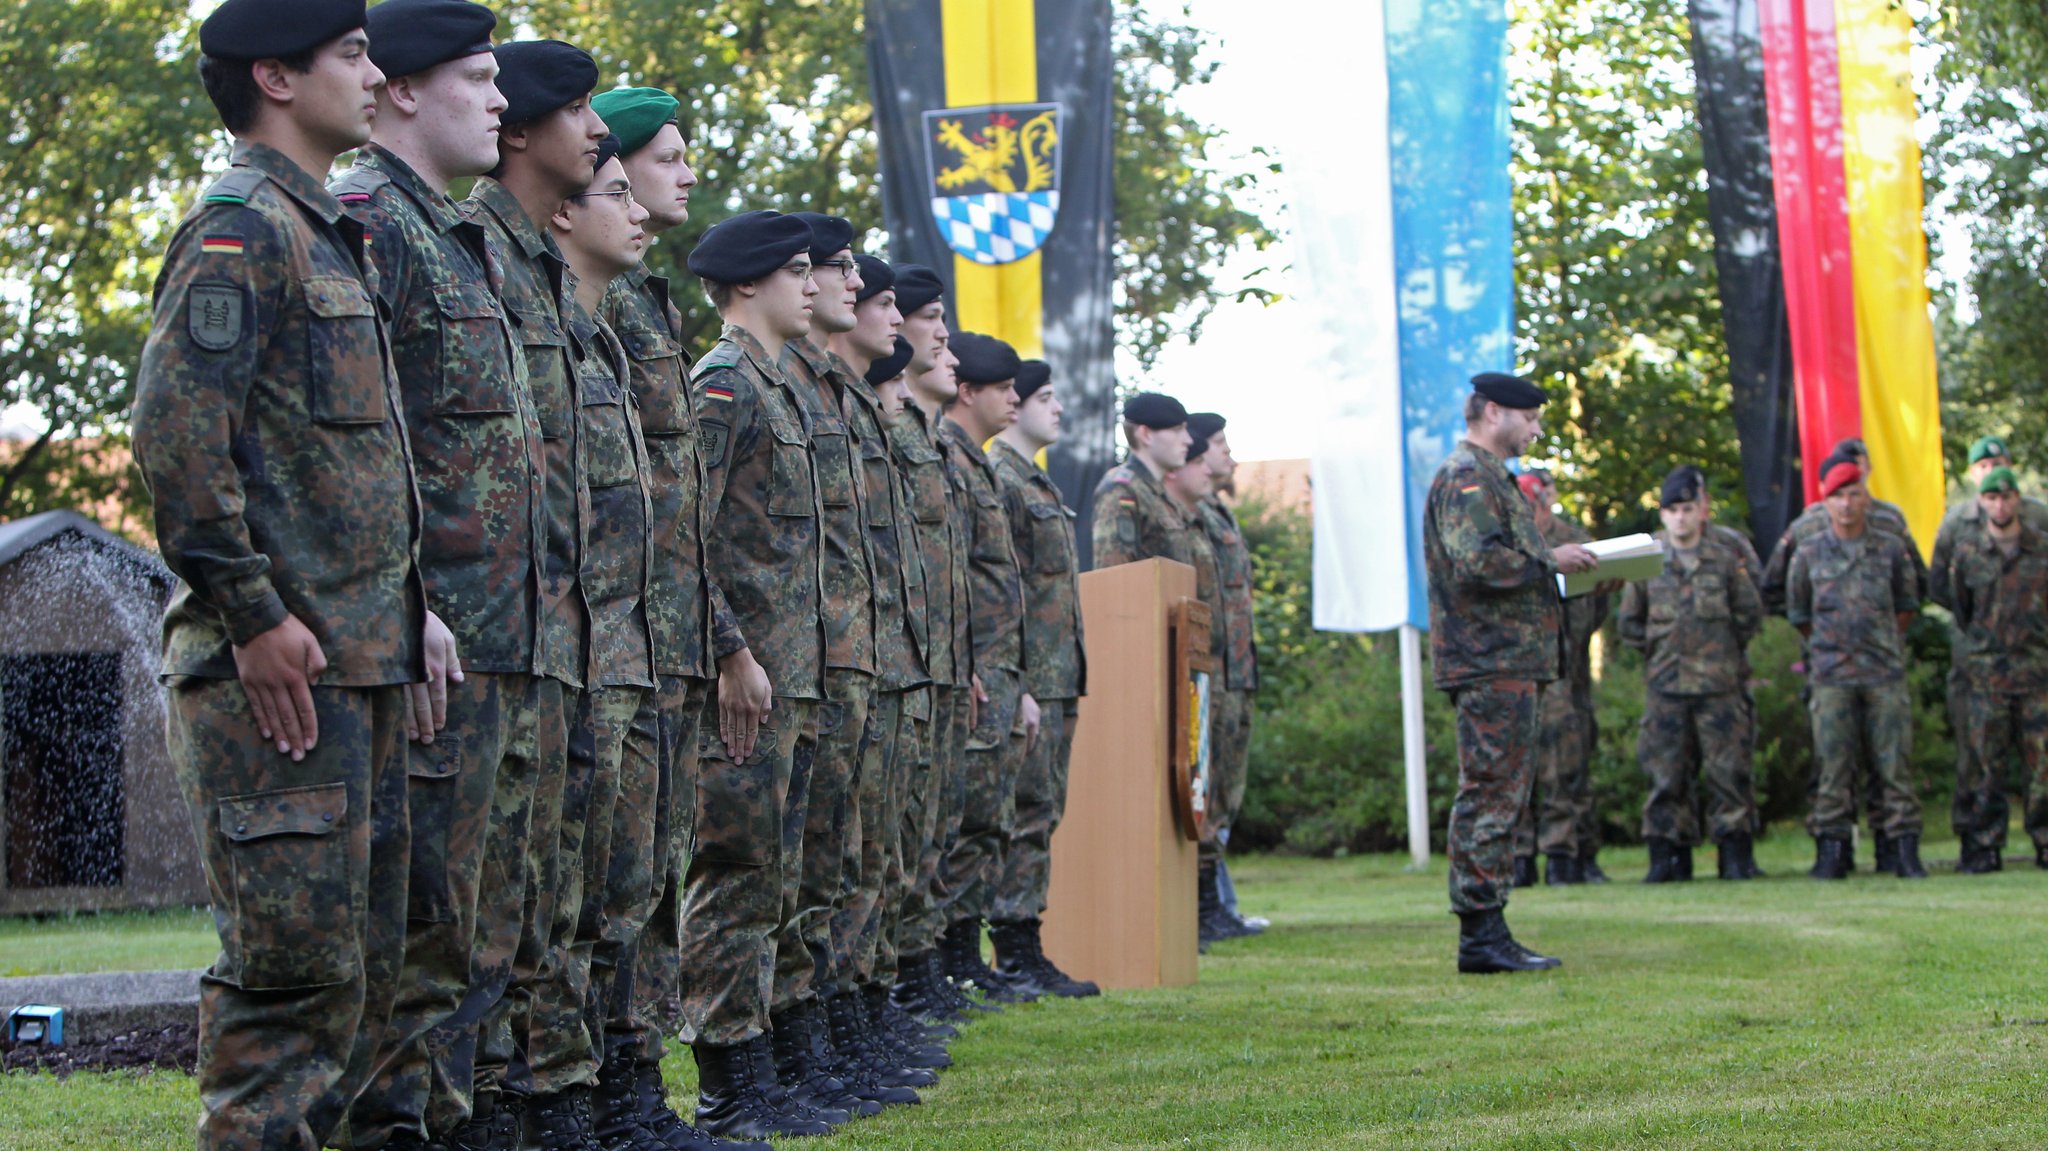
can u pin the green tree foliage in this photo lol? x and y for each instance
(108, 132)
(106, 126)
(1617, 304)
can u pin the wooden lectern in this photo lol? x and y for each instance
(1122, 906)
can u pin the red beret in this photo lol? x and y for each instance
(1841, 474)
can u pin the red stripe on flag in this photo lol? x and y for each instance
(1802, 82)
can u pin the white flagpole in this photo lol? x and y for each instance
(1412, 744)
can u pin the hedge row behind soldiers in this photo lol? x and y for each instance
(726, 692)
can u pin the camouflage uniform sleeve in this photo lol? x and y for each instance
(1632, 621)
(1114, 530)
(1963, 603)
(1917, 566)
(1481, 550)
(1777, 572)
(1745, 605)
(1746, 552)
(1938, 575)
(1909, 577)
(1798, 594)
(727, 429)
(217, 294)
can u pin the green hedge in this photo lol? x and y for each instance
(1326, 755)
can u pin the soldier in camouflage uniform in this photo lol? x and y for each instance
(1007, 718)
(863, 925)
(545, 84)
(1998, 580)
(1694, 623)
(939, 518)
(1055, 671)
(608, 806)
(1133, 517)
(1230, 721)
(479, 466)
(1494, 626)
(809, 968)
(300, 616)
(764, 560)
(1959, 528)
(1564, 743)
(1851, 592)
(639, 308)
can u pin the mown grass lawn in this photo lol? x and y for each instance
(1777, 1014)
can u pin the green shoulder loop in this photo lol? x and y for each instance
(235, 186)
(724, 354)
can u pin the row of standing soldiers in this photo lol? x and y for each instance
(527, 678)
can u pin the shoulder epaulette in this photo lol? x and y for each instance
(357, 184)
(722, 355)
(235, 186)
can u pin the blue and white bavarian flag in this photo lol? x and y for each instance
(995, 178)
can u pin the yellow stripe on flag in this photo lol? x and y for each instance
(1899, 395)
(992, 58)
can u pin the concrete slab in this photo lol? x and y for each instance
(101, 1006)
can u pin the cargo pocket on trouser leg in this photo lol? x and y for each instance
(433, 792)
(739, 820)
(294, 915)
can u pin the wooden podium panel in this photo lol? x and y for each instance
(1122, 906)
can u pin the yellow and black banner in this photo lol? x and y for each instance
(996, 123)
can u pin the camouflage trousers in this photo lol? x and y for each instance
(829, 812)
(1858, 730)
(565, 1038)
(519, 872)
(980, 794)
(734, 894)
(635, 866)
(306, 866)
(1230, 744)
(1688, 738)
(862, 950)
(1497, 726)
(657, 966)
(452, 785)
(2001, 731)
(1036, 804)
(926, 815)
(1559, 818)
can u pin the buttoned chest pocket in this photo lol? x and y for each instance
(608, 457)
(476, 362)
(658, 383)
(1233, 561)
(991, 527)
(1710, 596)
(1051, 551)
(346, 366)
(832, 448)
(929, 492)
(880, 483)
(1832, 581)
(791, 490)
(547, 372)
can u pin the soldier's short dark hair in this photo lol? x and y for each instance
(232, 87)
(718, 292)
(1475, 407)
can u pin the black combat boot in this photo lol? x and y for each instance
(615, 1104)
(2040, 857)
(1886, 852)
(1525, 872)
(916, 993)
(651, 1097)
(923, 1045)
(494, 1123)
(803, 1074)
(1906, 857)
(1562, 870)
(1486, 947)
(561, 1121)
(1738, 858)
(953, 994)
(1830, 858)
(1212, 923)
(1681, 856)
(732, 1100)
(872, 1067)
(961, 949)
(1048, 973)
(1976, 860)
(1589, 866)
(411, 1141)
(1663, 861)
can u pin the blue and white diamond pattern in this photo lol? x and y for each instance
(996, 227)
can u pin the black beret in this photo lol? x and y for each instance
(1682, 486)
(1198, 446)
(890, 366)
(749, 246)
(408, 37)
(916, 286)
(608, 149)
(1154, 410)
(876, 276)
(263, 29)
(1205, 424)
(1851, 449)
(1031, 376)
(1509, 391)
(635, 115)
(541, 76)
(830, 235)
(983, 359)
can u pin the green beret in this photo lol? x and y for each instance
(1987, 446)
(635, 114)
(2000, 480)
